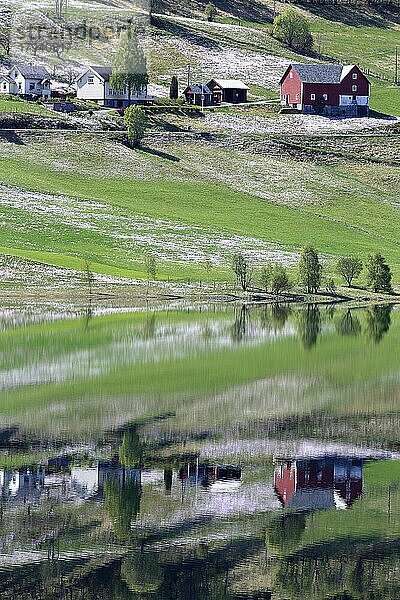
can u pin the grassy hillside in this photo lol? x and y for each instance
(229, 187)
(109, 212)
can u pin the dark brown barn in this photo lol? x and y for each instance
(327, 89)
(232, 91)
(197, 94)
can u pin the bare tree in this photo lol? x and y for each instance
(5, 30)
(61, 8)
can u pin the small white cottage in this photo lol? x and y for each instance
(7, 85)
(27, 81)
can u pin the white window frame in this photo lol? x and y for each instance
(353, 88)
(312, 96)
(325, 97)
(90, 80)
(291, 75)
(355, 76)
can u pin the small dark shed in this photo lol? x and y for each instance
(195, 94)
(228, 90)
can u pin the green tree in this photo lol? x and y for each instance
(242, 271)
(6, 18)
(210, 12)
(310, 270)
(266, 276)
(129, 65)
(150, 264)
(280, 281)
(379, 274)
(349, 267)
(174, 88)
(292, 28)
(135, 120)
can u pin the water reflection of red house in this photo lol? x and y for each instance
(310, 484)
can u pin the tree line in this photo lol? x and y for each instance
(274, 278)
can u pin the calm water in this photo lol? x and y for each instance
(200, 453)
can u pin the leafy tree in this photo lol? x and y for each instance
(242, 271)
(292, 28)
(331, 286)
(135, 120)
(174, 88)
(310, 270)
(379, 274)
(210, 12)
(349, 267)
(280, 280)
(5, 30)
(266, 275)
(150, 264)
(129, 66)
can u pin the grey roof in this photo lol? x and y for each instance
(199, 89)
(6, 78)
(104, 72)
(33, 72)
(319, 73)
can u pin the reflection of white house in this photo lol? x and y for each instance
(26, 80)
(25, 483)
(87, 481)
(94, 84)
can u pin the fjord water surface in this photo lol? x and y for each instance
(200, 453)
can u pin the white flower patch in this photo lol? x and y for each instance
(130, 236)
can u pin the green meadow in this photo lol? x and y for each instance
(350, 214)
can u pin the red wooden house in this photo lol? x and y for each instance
(327, 89)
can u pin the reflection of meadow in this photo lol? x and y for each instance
(206, 367)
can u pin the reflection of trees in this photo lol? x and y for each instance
(275, 316)
(309, 325)
(378, 322)
(240, 325)
(122, 502)
(279, 315)
(343, 575)
(348, 324)
(149, 327)
(131, 449)
(284, 532)
(142, 573)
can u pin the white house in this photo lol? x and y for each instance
(94, 84)
(7, 85)
(28, 81)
